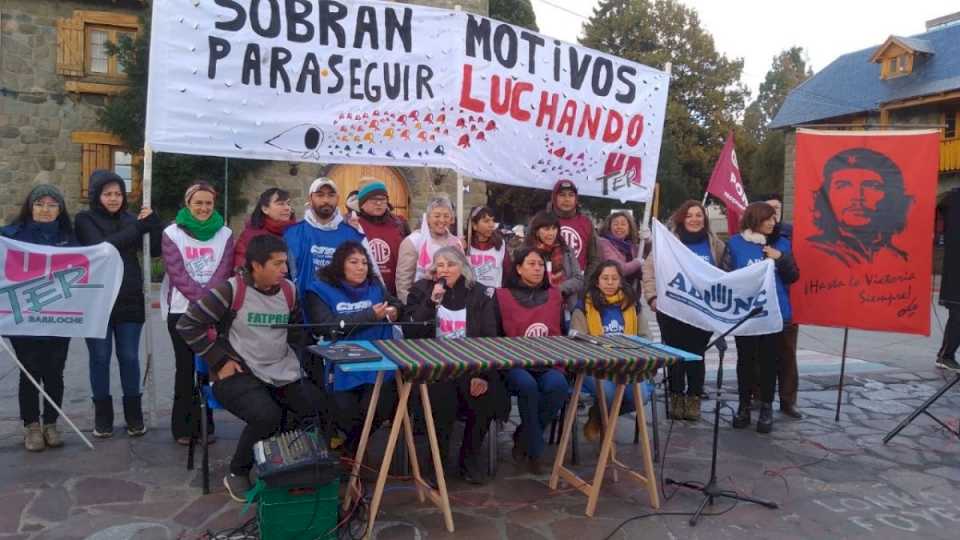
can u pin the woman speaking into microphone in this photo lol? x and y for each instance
(462, 307)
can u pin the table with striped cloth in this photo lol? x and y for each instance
(618, 358)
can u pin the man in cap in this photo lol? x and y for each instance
(384, 230)
(313, 240)
(576, 229)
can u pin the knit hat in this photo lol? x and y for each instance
(320, 182)
(46, 190)
(371, 189)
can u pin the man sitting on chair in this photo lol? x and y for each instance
(255, 371)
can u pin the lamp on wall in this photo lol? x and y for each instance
(294, 168)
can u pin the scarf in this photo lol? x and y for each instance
(276, 227)
(691, 238)
(595, 320)
(201, 230)
(623, 246)
(554, 254)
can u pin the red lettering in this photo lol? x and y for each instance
(568, 117)
(547, 108)
(635, 130)
(466, 100)
(496, 104)
(611, 132)
(589, 123)
(516, 110)
(22, 266)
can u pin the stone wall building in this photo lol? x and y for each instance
(55, 76)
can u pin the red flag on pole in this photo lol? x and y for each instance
(725, 184)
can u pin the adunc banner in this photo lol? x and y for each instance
(696, 292)
(392, 84)
(47, 291)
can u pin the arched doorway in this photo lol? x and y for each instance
(348, 178)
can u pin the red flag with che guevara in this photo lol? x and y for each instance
(863, 229)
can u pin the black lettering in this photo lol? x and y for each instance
(533, 41)
(625, 74)
(366, 26)
(391, 85)
(311, 70)
(271, 31)
(234, 24)
(278, 60)
(556, 61)
(507, 58)
(251, 64)
(424, 74)
(578, 68)
(330, 13)
(219, 49)
(602, 76)
(298, 19)
(394, 27)
(333, 62)
(371, 91)
(355, 81)
(478, 33)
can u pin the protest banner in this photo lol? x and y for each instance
(726, 185)
(863, 229)
(402, 85)
(696, 292)
(54, 291)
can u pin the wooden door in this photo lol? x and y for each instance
(349, 178)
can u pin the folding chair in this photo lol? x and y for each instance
(204, 390)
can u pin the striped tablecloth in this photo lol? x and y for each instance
(618, 358)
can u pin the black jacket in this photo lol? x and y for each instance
(125, 232)
(950, 279)
(482, 312)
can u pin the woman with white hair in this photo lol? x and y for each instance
(417, 250)
(461, 307)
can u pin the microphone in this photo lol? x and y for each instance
(583, 337)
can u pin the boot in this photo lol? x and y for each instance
(678, 406)
(51, 436)
(765, 420)
(133, 414)
(33, 437)
(742, 419)
(692, 410)
(103, 418)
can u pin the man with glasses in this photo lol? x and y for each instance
(384, 230)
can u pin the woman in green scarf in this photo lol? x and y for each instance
(198, 255)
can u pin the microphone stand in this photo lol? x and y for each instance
(711, 490)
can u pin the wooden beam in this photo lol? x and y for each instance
(80, 87)
(108, 18)
(95, 137)
(924, 100)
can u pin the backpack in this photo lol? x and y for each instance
(239, 295)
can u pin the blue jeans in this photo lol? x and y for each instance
(127, 338)
(539, 397)
(609, 387)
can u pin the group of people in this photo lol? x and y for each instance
(238, 304)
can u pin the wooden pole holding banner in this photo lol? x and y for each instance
(226, 191)
(44, 393)
(843, 365)
(149, 380)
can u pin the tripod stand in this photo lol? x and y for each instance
(711, 490)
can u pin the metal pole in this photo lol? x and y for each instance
(149, 381)
(843, 365)
(226, 190)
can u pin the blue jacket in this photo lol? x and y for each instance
(311, 249)
(45, 234)
(741, 253)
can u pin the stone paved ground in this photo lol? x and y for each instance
(832, 480)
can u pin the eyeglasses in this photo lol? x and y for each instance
(377, 200)
(48, 207)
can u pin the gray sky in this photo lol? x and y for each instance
(757, 30)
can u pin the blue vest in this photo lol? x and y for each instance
(743, 254)
(340, 303)
(311, 249)
(702, 249)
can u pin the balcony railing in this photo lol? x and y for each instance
(950, 155)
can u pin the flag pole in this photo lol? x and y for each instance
(44, 393)
(843, 365)
(654, 200)
(149, 380)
